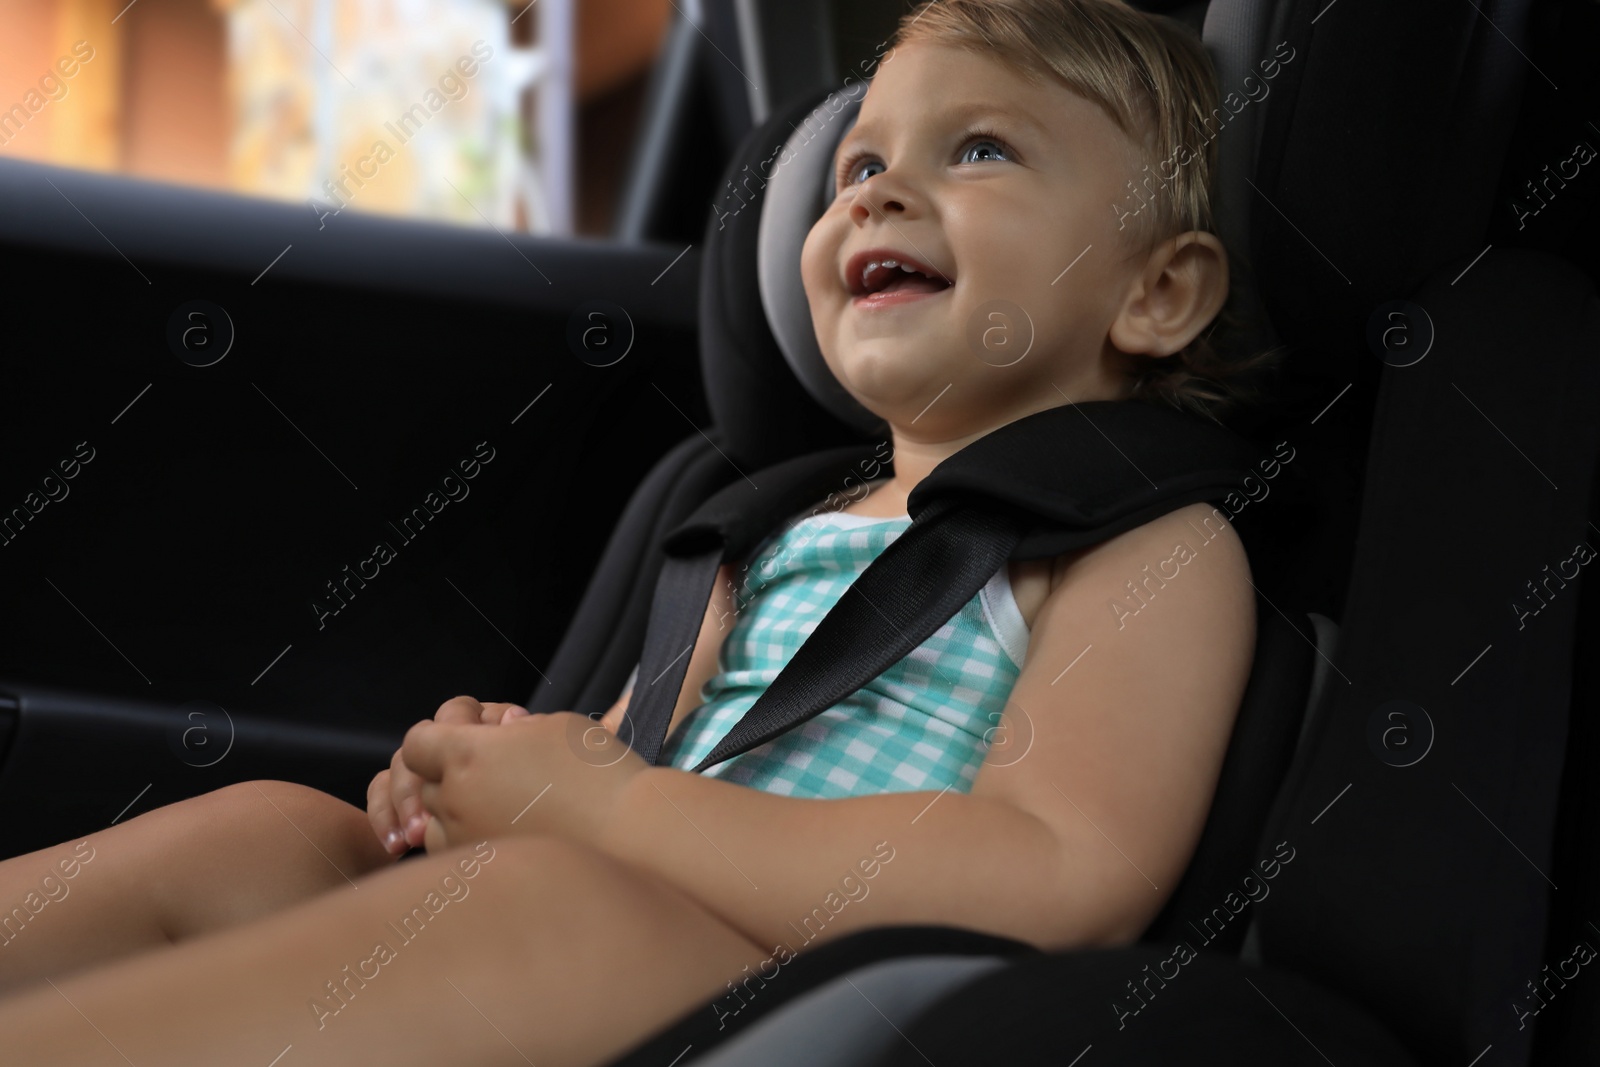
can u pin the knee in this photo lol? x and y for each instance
(264, 845)
(298, 803)
(266, 810)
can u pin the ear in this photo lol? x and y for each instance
(1182, 287)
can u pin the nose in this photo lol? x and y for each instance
(884, 195)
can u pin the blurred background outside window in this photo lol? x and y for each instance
(516, 114)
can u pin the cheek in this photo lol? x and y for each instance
(808, 253)
(1002, 243)
(819, 268)
(1011, 264)
(1019, 257)
(812, 254)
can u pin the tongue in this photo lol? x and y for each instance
(915, 283)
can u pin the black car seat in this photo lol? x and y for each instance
(1425, 880)
(767, 408)
(773, 398)
(1292, 653)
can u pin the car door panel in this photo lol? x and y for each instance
(388, 487)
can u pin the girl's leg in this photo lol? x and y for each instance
(521, 950)
(185, 869)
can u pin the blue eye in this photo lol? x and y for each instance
(989, 143)
(854, 173)
(993, 150)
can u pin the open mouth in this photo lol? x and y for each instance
(883, 277)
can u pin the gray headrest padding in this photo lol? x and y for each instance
(796, 194)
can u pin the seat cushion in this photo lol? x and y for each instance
(709, 1025)
(852, 1020)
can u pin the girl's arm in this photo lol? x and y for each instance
(1074, 835)
(793, 871)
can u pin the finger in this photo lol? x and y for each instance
(513, 711)
(428, 746)
(405, 786)
(435, 826)
(381, 813)
(409, 817)
(436, 838)
(497, 712)
(459, 710)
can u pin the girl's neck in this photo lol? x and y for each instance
(913, 461)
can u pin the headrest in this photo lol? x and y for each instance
(798, 193)
(763, 409)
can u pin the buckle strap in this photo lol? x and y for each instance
(669, 642)
(912, 588)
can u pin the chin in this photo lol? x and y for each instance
(887, 380)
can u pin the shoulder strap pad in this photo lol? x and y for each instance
(1086, 472)
(1059, 479)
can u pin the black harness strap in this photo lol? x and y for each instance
(729, 525)
(1057, 480)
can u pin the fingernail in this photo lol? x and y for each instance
(416, 826)
(517, 711)
(394, 841)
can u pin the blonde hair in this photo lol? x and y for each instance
(1152, 76)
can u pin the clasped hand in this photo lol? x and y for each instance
(477, 771)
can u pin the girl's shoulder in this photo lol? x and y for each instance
(1033, 580)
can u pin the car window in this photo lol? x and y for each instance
(477, 112)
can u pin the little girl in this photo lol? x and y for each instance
(569, 905)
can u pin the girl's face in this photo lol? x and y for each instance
(1005, 194)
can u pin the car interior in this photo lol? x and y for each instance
(1410, 218)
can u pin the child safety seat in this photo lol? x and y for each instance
(1111, 466)
(784, 421)
(1407, 929)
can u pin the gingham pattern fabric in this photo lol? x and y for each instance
(918, 725)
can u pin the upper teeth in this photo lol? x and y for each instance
(891, 263)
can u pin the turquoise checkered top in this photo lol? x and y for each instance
(921, 724)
